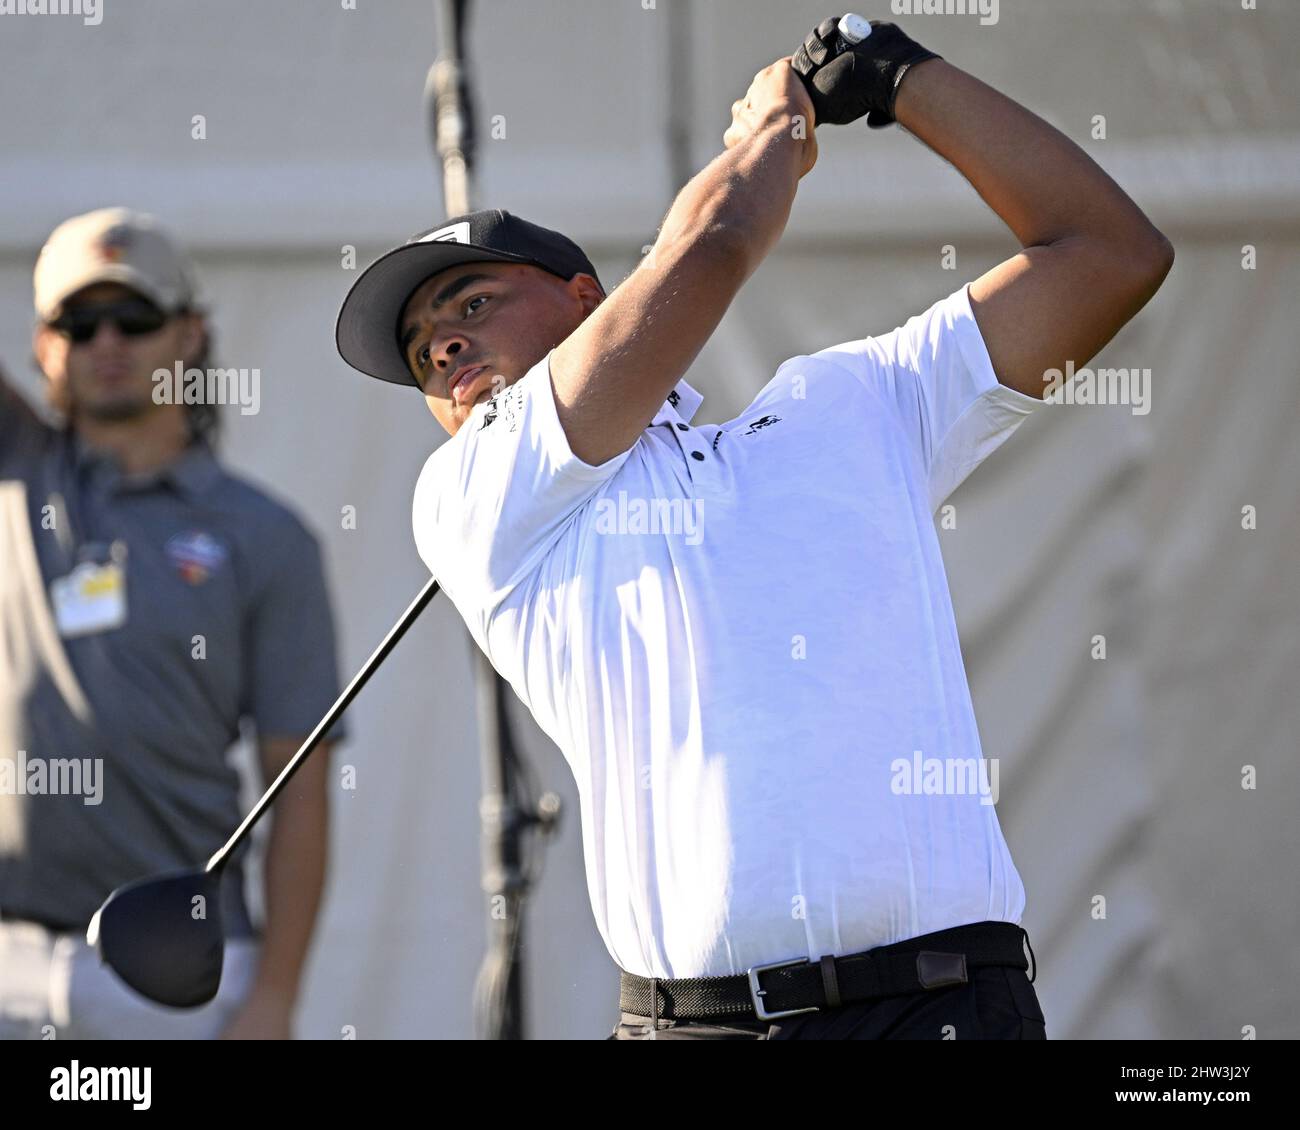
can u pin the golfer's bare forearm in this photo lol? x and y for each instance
(1042, 185)
(1091, 259)
(613, 372)
(745, 192)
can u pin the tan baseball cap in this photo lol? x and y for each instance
(111, 245)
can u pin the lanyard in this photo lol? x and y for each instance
(65, 530)
(63, 525)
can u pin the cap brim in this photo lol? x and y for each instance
(121, 273)
(366, 332)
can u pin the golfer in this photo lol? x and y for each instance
(151, 601)
(740, 635)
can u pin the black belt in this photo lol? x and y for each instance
(784, 988)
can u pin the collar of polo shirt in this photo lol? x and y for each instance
(687, 399)
(688, 403)
(192, 472)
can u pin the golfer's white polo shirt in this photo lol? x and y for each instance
(740, 636)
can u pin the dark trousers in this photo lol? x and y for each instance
(997, 1003)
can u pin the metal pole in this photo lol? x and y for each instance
(506, 815)
(447, 94)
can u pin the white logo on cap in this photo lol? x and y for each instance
(457, 233)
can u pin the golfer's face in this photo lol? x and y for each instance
(472, 330)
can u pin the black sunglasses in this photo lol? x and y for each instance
(133, 318)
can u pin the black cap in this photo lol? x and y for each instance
(368, 329)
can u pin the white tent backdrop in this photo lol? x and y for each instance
(1121, 778)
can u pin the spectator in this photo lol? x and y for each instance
(150, 602)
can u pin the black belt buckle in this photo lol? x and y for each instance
(755, 991)
(934, 969)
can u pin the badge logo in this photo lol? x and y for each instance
(113, 244)
(455, 233)
(196, 555)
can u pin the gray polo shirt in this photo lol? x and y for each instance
(117, 739)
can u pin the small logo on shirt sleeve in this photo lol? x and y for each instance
(762, 422)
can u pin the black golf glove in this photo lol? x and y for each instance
(863, 79)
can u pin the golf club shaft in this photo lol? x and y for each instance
(395, 633)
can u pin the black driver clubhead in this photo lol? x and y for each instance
(163, 936)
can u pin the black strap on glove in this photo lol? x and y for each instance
(846, 81)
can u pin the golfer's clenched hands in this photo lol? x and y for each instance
(776, 98)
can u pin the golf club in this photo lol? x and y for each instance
(163, 935)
